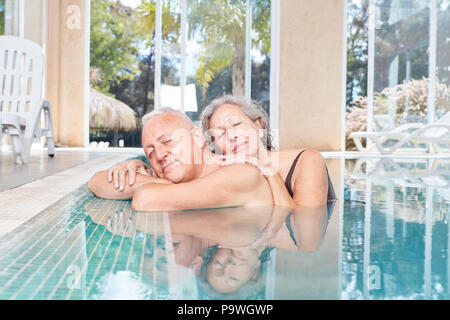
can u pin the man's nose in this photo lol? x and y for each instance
(226, 269)
(160, 154)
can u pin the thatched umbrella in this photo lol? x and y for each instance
(108, 113)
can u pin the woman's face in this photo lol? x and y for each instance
(234, 132)
(229, 269)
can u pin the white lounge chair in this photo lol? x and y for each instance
(21, 103)
(432, 134)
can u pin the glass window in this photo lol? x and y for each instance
(442, 59)
(122, 69)
(203, 56)
(400, 62)
(216, 59)
(9, 17)
(402, 40)
(2, 17)
(260, 52)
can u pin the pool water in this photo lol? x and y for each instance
(386, 237)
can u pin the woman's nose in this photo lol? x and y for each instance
(231, 135)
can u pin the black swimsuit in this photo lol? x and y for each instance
(287, 182)
(331, 197)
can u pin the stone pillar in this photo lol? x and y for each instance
(311, 74)
(67, 77)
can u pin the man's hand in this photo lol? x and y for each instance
(119, 171)
(121, 224)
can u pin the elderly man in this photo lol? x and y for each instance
(188, 175)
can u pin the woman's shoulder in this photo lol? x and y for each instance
(308, 157)
(293, 153)
(290, 154)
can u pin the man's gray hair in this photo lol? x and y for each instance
(251, 108)
(160, 111)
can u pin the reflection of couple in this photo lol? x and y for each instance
(186, 174)
(226, 247)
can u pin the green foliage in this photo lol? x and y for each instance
(357, 49)
(2, 17)
(145, 23)
(113, 45)
(219, 26)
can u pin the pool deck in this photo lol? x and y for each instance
(28, 189)
(25, 190)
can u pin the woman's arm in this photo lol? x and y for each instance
(268, 167)
(280, 195)
(310, 178)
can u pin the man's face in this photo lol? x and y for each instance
(168, 144)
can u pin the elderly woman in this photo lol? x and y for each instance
(238, 128)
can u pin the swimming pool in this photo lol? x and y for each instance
(387, 237)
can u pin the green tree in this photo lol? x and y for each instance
(113, 43)
(357, 49)
(219, 26)
(2, 17)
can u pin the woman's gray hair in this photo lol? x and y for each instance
(251, 108)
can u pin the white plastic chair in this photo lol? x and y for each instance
(21, 103)
(431, 134)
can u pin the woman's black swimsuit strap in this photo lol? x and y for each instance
(331, 194)
(287, 182)
(289, 227)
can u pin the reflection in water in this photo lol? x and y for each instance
(389, 239)
(222, 252)
(396, 245)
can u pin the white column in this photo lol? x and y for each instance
(428, 241)
(183, 52)
(390, 211)
(367, 227)
(158, 39)
(21, 21)
(341, 225)
(370, 67)
(87, 38)
(344, 76)
(432, 63)
(248, 46)
(274, 69)
(448, 248)
(13, 17)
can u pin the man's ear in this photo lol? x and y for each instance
(256, 271)
(197, 134)
(197, 264)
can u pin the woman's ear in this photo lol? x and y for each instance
(258, 122)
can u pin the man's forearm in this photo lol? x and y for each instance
(99, 185)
